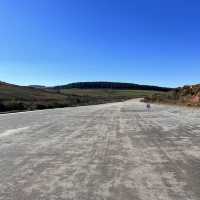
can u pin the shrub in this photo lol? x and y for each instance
(40, 107)
(15, 106)
(2, 107)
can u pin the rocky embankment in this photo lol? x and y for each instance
(187, 95)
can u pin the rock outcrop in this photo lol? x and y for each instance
(187, 95)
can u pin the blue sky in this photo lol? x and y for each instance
(55, 42)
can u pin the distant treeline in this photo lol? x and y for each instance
(112, 85)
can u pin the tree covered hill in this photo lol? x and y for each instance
(112, 85)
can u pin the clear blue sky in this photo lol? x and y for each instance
(54, 42)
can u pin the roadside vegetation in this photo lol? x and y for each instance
(19, 98)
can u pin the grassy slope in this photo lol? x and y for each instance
(97, 96)
(25, 98)
(108, 93)
(10, 92)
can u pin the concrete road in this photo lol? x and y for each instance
(114, 151)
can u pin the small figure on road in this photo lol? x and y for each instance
(148, 107)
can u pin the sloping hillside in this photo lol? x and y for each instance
(187, 95)
(13, 97)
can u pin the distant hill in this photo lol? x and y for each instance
(187, 95)
(112, 85)
(37, 86)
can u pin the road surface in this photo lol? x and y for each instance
(115, 151)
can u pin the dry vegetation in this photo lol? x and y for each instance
(15, 98)
(187, 95)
